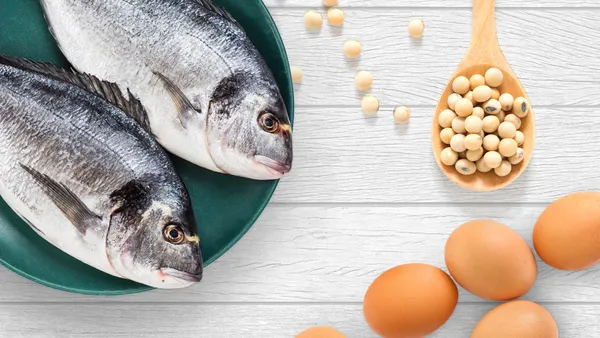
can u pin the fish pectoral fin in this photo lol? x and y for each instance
(184, 106)
(107, 90)
(70, 205)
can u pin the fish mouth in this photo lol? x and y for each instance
(273, 165)
(186, 276)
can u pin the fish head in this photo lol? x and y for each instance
(249, 131)
(156, 242)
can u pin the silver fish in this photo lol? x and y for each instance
(89, 179)
(210, 97)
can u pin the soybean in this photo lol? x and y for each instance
(507, 130)
(508, 147)
(473, 124)
(449, 156)
(458, 125)
(492, 159)
(352, 49)
(474, 155)
(461, 85)
(490, 123)
(517, 157)
(491, 142)
(453, 99)
(313, 19)
(445, 118)
(335, 17)
(465, 167)
(416, 28)
(473, 142)
(506, 101)
(503, 169)
(401, 114)
(512, 118)
(519, 137)
(494, 77)
(464, 107)
(482, 93)
(476, 81)
(457, 143)
(446, 135)
(492, 106)
(370, 104)
(363, 80)
(521, 107)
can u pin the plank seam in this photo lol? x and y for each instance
(113, 303)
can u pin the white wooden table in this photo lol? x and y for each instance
(365, 195)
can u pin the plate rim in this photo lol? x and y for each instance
(249, 224)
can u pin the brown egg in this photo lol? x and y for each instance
(490, 260)
(320, 332)
(517, 319)
(567, 234)
(410, 300)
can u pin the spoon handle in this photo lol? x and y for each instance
(484, 47)
(484, 21)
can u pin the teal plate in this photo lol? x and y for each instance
(225, 206)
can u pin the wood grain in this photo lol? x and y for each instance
(431, 3)
(553, 52)
(241, 320)
(365, 194)
(332, 254)
(341, 156)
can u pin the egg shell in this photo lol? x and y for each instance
(490, 260)
(567, 234)
(410, 300)
(321, 332)
(517, 319)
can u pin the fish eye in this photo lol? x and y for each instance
(268, 122)
(173, 234)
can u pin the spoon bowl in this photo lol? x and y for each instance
(485, 53)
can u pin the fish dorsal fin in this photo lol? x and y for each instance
(218, 10)
(106, 90)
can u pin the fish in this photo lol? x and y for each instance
(210, 96)
(90, 179)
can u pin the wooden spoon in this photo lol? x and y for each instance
(484, 53)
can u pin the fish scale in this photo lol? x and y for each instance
(177, 56)
(76, 168)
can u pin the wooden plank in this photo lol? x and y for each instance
(241, 320)
(430, 3)
(332, 254)
(342, 156)
(554, 53)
